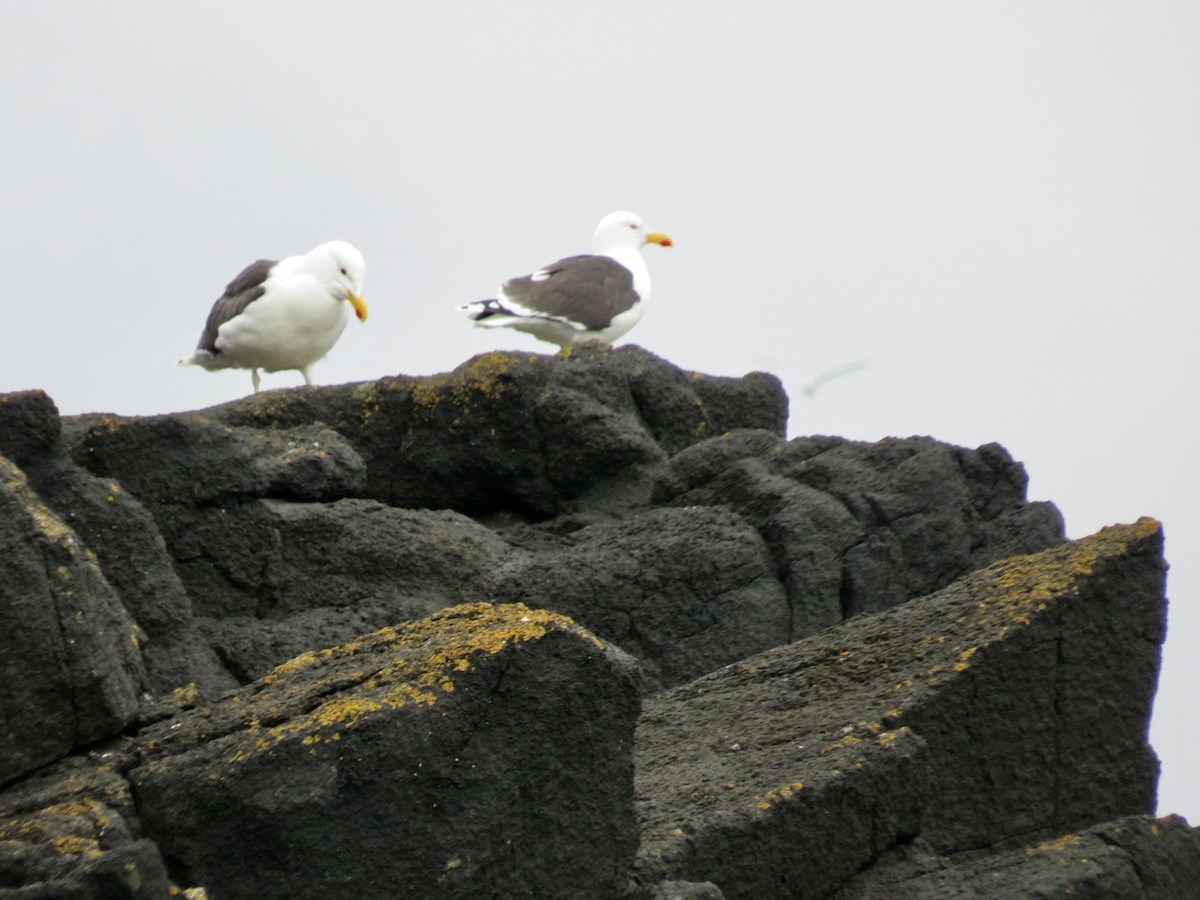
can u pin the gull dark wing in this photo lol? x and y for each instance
(589, 290)
(239, 294)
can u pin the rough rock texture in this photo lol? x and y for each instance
(1128, 858)
(452, 755)
(73, 833)
(71, 672)
(465, 440)
(874, 688)
(595, 482)
(264, 506)
(124, 540)
(858, 527)
(686, 590)
(966, 718)
(30, 429)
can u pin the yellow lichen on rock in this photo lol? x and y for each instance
(74, 845)
(479, 378)
(961, 665)
(295, 664)
(1016, 590)
(425, 656)
(50, 525)
(777, 795)
(1055, 846)
(1021, 586)
(369, 398)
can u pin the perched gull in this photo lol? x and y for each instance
(283, 315)
(598, 296)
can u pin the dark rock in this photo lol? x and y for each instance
(339, 554)
(249, 647)
(965, 718)
(681, 890)
(959, 727)
(1133, 857)
(135, 561)
(858, 527)
(683, 590)
(193, 459)
(271, 579)
(73, 833)
(30, 428)
(70, 669)
(681, 408)
(513, 432)
(485, 751)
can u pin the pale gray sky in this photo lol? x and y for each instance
(996, 204)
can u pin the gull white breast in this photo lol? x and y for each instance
(285, 314)
(594, 296)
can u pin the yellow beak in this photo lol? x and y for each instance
(360, 306)
(656, 237)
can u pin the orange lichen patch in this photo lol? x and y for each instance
(423, 659)
(296, 664)
(962, 665)
(778, 795)
(187, 696)
(50, 525)
(369, 397)
(112, 423)
(888, 738)
(1019, 588)
(1011, 593)
(72, 827)
(1055, 846)
(73, 845)
(477, 379)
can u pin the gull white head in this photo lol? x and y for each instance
(341, 269)
(622, 229)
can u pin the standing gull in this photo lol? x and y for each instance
(283, 315)
(597, 296)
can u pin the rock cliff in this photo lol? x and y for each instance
(577, 626)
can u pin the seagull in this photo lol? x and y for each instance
(284, 314)
(596, 296)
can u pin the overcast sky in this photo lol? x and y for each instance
(996, 205)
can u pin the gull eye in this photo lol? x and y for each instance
(343, 270)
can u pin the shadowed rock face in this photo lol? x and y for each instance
(376, 745)
(71, 831)
(966, 718)
(873, 688)
(1134, 856)
(71, 671)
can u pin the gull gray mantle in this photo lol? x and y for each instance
(597, 296)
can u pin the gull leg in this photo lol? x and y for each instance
(254, 378)
(307, 373)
